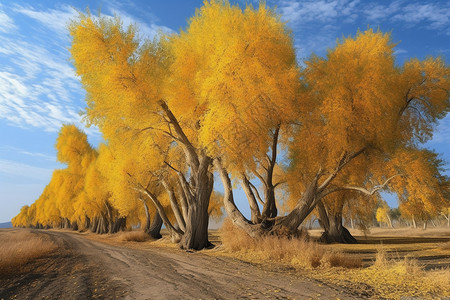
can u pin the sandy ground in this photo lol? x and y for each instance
(83, 269)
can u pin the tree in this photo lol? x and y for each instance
(382, 214)
(155, 89)
(366, 111)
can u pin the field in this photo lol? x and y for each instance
(386, 263)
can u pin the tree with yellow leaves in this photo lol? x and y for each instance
(382, 214)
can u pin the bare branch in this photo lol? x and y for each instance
(344, 160)
(260, 177)
(255, 190)
(361, 189)
(278, 183)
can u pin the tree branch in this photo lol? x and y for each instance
(360, 189)
(255, 190)
(186, 144)
(344, 160)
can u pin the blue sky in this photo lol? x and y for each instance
(39, 90)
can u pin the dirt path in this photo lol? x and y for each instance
(89, 269)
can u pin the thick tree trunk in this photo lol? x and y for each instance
(337, 233)
(414, 222)
(183, 201)
(196, 233)
(154, 229)
(270, 206)
(197, 191)
(334, 230)
(303, 208)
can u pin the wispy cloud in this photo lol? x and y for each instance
(6, 149)
(17, 169)
(432, 16)
(39, 87)
(149, 31)
(54, 19)
(323, 11)
(316, 24)
(6, 23)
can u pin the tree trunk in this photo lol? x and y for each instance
(198, 190)
(414, 222)
(303, 208)
(94, 224)
(119, 224)
(175, 234)
(254, 208)
(155, 228)
(270, 206)
(174, 205)
(389, 221)
(233, 212)
(87, 223)
(337, 232)
(334, 230)
(196, 233)
(146, 226)
(425, 223)
(183, 201)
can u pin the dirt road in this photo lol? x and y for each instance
(84, 269)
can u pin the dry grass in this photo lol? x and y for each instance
(20, 247)
(445, 246)
(396, 278)
(389, 276)
(298, 252)
(133, 236)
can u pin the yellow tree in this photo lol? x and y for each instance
(159, 88)
(382, 214)
(243, 86)
(423, 191)
(21, 220)
(363, 110)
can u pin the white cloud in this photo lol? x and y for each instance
(6, 23)
(17, 169)
(7, 150)
(433, 16)
(55, 19)
(149, 31)
(400, 51)
(323, 11)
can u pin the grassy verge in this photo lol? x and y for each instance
(20, 247)
(386, 277)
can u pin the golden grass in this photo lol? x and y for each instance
(133, 236)
(386, 277)
(394, 278)
(297, 252)
(445, 246)
(20, 247)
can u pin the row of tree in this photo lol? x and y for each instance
(227, 95)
